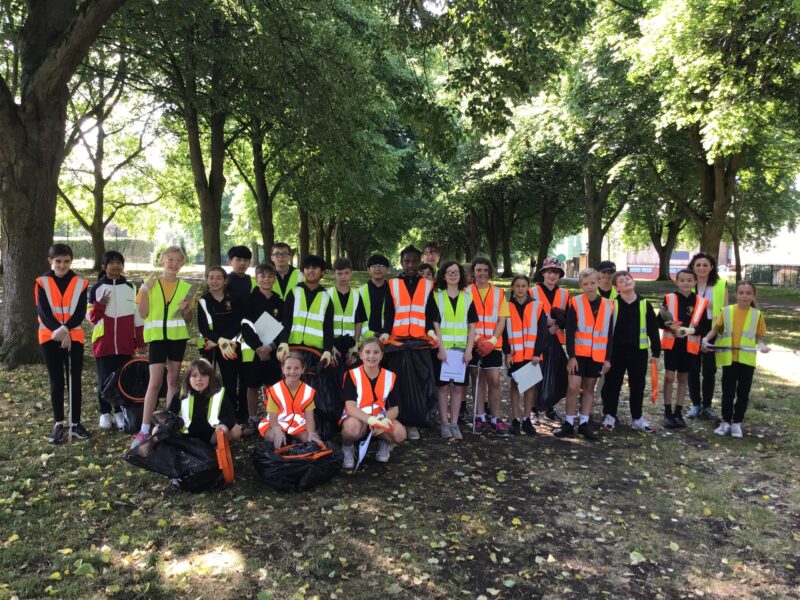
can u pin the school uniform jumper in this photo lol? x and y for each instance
(258, 372)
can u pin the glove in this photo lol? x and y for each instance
(706, 343)
(493, 340)
(434, 340)
(379, 423)
(485, 346)
(688, 330)
(384, 338)
(385, 423)
(352, 355)
(762, 347)
(325, 359)
(283, 350)
(227, 348)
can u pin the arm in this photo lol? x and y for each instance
(80, 313)
(44, 310)
(96, 307)
(327, 328)
(202, 323)
(571, 328)
(311, 427)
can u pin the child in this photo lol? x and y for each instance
(370, 401)
(203, 405)
(60, 297)
(741, 329)
(290, 406)
(431, 256)
(589, 342)
(634, 324)
(426, 271)
(714, 289)
(220, 321)
(239, 284)
(346, 329)
(259, 363)
(681, 344)
(287, 276)
(166, 308)
(374, 295)
(455, 327)
(522, 345)
(605, 286)
(117, 328)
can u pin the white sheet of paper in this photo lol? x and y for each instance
(454, 367)
(527, 377)
(267, 328)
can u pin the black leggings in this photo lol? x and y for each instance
(708, 369)
(737, 379)
(56, 360)
(634, 361)
(233, 380)
(106, 365)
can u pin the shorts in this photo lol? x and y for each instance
(160, 351)
(681, 361)
(262, 372)
(437, 370)
(588, 368)
(493, 360)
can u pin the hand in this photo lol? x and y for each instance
(493, 340)
(509, 360)
(325, 359)
(142, 349)
(352, 355)
(653, 360)
(66, 343)
(335, 356)
(148, 285)
(227, 348)
(184, 305)
(553, 328)
(762, 347)
(60, 333)
(384, 337)
(441, 354)
(606, 367)
(105, 298)
(283, 350)
(314, 437)
(467, 356)
(385, 423)
(680, 332)
(572, 366)
(434, 339)
(706, 345)
(550, 321)
(535, 360)
(279, 440)
(264, 352)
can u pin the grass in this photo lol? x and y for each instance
(666, 515)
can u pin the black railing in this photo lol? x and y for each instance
(778, 275)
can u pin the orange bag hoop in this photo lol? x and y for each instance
(224, 459)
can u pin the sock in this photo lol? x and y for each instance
(667, 411)
(494, 420)
(482, 417)
(678, 409)
(571, 419)
(584, 419)
(145, 428)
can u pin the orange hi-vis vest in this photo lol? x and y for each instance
(692, 341)
(488, 311)
(409, 313)
(591, 336)
(373, 404)
(63, 306)
(561, 300)
(522, 331)
(291, 417)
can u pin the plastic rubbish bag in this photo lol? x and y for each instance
(327, 399)
(554, 375)
(411, 361)
(125, 389)
(298, 467)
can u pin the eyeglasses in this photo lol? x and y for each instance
(456, 273)
(378, 267)
(284, 253)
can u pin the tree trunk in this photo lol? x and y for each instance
(547, 220)
(256, 252)
(734, 231)
(98, 246)
(473, 237)
(328, 240)
(303, 241)
(337, 241)
(263, 198)
(595, 201)
(665, 248)
(319, 237)
(505, 244)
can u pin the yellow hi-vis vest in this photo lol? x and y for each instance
(747, 341)
(453, 325)
(344, 317)
(307, 321)
(214, 406)
(161, 322)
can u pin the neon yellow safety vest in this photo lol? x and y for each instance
(308, 321)
(643, 340)
(718, 299)
(161, 322)
(344, 318)
(295, 278)
(453, 325)
(724, 358)
(214, 406)
(365, 300)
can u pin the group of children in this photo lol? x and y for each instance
(271, 331)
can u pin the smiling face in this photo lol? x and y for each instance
(481, 273)
(199, 381)
(431, 256)
(265, 281)
(216, 281)
(371, 354)
(114, 268)
(312, 275)
(604, 279)
(292, 369)
(281, 257)
(702, 267)
(745, 295)
(377, 272)
(551, 277)
(60, 264)
(452, 275)
(685, 283)
(171, 262)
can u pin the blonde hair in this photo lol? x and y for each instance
(172, 250)
(370, 340)
(297, 356)
(586, 273)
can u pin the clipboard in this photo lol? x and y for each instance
(267, 328)
(453, 369)
(527, 377)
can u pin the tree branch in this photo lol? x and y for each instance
(73, 210)
(242, 172)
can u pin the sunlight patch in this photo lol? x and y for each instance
(214, 563)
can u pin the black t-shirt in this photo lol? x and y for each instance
(379, 296)
(239, 286)
(626, 326)
(258, 304)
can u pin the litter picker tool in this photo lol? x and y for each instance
(69, 388)
(363, 446)
(796, 351)
(189, 295)
(475, 389)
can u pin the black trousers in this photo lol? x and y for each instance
(634, 361)
(106, 365)
(57, 360)
(231, 373)
(708, 373)
(737, 379)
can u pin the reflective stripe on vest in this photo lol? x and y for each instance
(453, 324)
(367, 401)
(724, 358)
(248, 353)
(488, 310)
(201, 341)
(214, 406)
(692, 341)
(295, 279)
(344, 318)
(590, 341)
(291, 407)
(308, 321)
(62, 306)
(560, 300)
(160, 318)
(643, 341)
(719, 293)
(522, 331)
(409, 313)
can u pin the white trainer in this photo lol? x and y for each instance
(105, 422)
(724, 429)
(349, 461)
(412, 433)
(736, 430)
(384, 452)
(119, 420)
(608, 423)
(642, 424)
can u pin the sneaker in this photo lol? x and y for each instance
(481, 426)
(500, 428)
(57, 435)
(608, 423)
(694, 412)
(725, 428)
(551, 415)
(679, 422)
(105, 422)
(250, 428)
(669, 422)
(642, 424)
(455, 431)
(139, 439)
(349, 461)
(79, 431)
(585, 429)
(736, 430)
(119, 420)
(446, 431)
(515, 427)
(412, 433)
(710, 414)
(527, 427)
(567, 430)
(535, 417)
(384, 452)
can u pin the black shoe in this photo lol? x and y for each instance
(710, 414)
(57, 435)
(567, 430)
(586, 431)
(678, 418)
(550, 413)
(515, 426)
(527, 427)
(79, 431)
(669, 422)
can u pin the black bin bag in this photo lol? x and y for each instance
(125, 389)
(411, 362)
(554, 375)
(327, 398)
(298, 467)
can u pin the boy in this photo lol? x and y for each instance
(605, 271)
(373, 295)
(288, 276)
(430, 255)
(239, 283)
(634, 323)
(259, 363)
(346, 329)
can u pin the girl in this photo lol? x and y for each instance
(589, 340)
(370, 401)
(117, 332)
(711, 287)
(203, 406)
(290, 406)
(456, 330)
(681, 343)
(519, 344)
(60, 298)
(741, 329)
(166, 308)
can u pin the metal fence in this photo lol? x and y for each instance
(787, 276)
